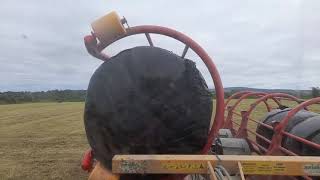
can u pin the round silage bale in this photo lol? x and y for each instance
(309, 130)
(146, 100)
(276, 116)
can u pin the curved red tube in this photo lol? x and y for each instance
(280, 128)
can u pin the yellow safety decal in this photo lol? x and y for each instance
(183, 166)
(276, 168)
(312, 169)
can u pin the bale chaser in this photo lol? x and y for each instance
(147, 117)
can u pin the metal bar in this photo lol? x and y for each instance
(198, 164)
(185, 50)
(289, 99)
(287, 151)
(256, 149)
(280, 128)
(243, 125)
(149, 39)
(234, 122)
(236, 95)
(305, 141)
(238, 114)
(260, 136)
(263, 124)
(90, 42)
(228, 120)
(211, 171)
(241, 171)
(258, 145)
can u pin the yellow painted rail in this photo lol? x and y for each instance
(198, 164)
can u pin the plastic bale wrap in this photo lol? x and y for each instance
(304, 124)
(147, 100)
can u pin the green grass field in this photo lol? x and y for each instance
(42, 141)
(47, 140)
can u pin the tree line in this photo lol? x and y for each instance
(11, 97)
(303, 94)
(315, 92)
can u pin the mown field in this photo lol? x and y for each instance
(47, 140)
(42, 141)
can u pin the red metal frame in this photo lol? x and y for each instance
(236, 95)
(95, 49)
(279, 129)
(243, 95)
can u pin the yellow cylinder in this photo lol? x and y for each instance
(108, 27)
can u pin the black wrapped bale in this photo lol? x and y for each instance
(146, 100)
(309, 130)
(303, 124)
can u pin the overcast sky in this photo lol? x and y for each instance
(263, 44)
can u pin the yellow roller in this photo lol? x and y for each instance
(108, 27)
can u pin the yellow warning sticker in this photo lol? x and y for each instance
(183, 166)
(264, 168)
(312, 169)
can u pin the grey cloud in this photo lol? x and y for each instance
(267, 44)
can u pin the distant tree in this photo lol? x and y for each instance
(315, 92)
(10, 97)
